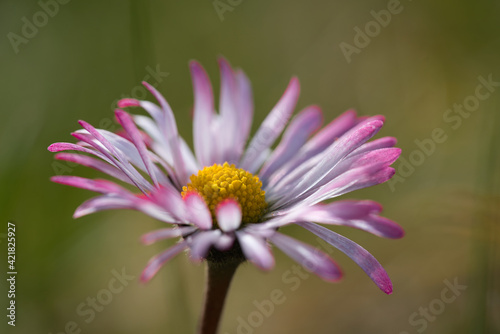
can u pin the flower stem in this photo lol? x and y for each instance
(218, 281)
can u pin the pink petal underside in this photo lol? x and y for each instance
(171, 200)
(129, 126)
(272, 127)
(118, 201)
(362, 215)
(307, 176)
(58, 147)
(128, 102)
(159, 260)
(100, 186)
(384, 142)
(203, 114)
(199, 214)
(309, 257)
(301, 127)
(228, 214)
(358, 178)
(201, 242)
(229, 143)
(95, 164)
(357, 253)
(317, 144)
(256, 250)
(244, 108)
(170, 131)
(380, 157)
(96, 139)
(166, 233)
(103, 202)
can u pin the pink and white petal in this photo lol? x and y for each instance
(95, 164)
(351, 180)
(97, 185)
(357, 253)
(381, 157)
(306, 177)
(201, 242)
(203, 114)
(59, 147)
(272, 126)
(128, 102)
(171, 200)
(228, 105)
(259, 161)
(166, 233)
(155, 211)
(384, 142)
(128, 124)
(296, 134)
(351, 209)
(169, 127)
(362, 215)
(103, 202)
(130, 154)
(317, 144)
(309, 257)
(244, 108)
(199, 214)
(112, 155)
(192, 165)
(256, 250)
(330, 133)
(379, 226)
(228, 214)
(159, 260)
(161, 147)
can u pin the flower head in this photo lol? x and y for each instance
(227, 200)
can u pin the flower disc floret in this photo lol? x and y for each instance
(217, 183)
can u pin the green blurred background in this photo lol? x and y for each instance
(90, 53)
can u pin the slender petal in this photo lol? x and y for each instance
(166, 233)
(320, 142)
(300, 128)
(362, 215)
(203, 114)
(309, 257)
(94, 163)
(384, 142)
(308, 175)
(100, 186)
(101, 203)
(129, 126)
(256, 250)
(357, 253)
(159, 260)
(272, 126)
(170, 132)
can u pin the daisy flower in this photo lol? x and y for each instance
(227, 200)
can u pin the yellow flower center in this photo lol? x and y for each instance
(217, 183)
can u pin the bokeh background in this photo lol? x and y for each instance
(88, 54)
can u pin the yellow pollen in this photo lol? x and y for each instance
(217, 183)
